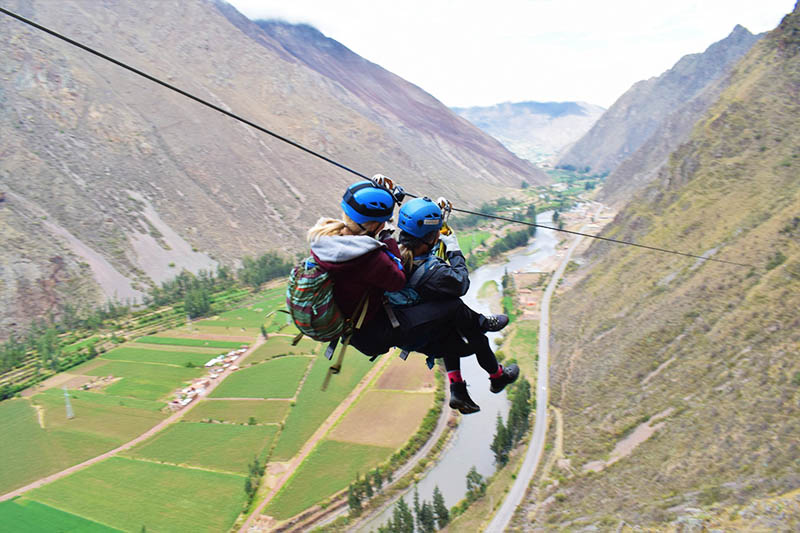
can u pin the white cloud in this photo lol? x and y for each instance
(474, 52)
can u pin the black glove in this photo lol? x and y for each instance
(399, 194)
(385, 234)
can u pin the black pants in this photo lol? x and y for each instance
(446, 329)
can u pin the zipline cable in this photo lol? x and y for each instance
(316, 154)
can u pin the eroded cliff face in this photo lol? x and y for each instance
(647, 106)
(703, 353)
(129, 183)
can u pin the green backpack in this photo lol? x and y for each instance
(309, 298)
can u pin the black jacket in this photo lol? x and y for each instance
(444, 281)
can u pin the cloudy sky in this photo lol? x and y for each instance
(480, 52)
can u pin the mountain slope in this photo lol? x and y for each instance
(108, 174)
(638, 113)
(390, 100)
(707, 352)
(537, 131)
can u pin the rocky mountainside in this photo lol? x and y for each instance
(639, 113)
(112, 183)
(537, 131)
(678, 379)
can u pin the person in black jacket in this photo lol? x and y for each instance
(429, 315)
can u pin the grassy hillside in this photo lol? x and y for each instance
(712, 349)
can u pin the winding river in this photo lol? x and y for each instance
(470, 445)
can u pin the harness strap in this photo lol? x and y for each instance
(391, 315)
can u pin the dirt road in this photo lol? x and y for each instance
(315, 438)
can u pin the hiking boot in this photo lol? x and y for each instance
(509, 375)
(459, 399)
(494, 322)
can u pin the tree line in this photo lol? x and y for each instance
(424, 517)
(508, 435)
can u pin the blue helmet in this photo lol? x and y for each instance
(419, 217)
(365, 201)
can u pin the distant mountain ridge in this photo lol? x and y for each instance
(639, 113)
(113, 183)
(537, 131)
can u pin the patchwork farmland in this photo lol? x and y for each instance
(258, 399)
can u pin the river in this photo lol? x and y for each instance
(470, 445)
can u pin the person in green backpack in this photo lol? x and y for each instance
(361, 259)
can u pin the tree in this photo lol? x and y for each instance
(501, 443)
(354, 500)
(476, 485)
(197, 302)
(519, 414)
(425, 518)
(377, 479)
(440, 508)
(403, 519)
(263, 331)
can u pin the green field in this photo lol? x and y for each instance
(330, 467)
(524, 346)
(313, 406)
(105, 416)
(129, 494)
(144, 380)
(23, 516)
(277, 378)
(224, 447)
(143, 355)
(29, 452)
(469, 241)
(239, 411)
(252, 316)
(276, 345)
(177, 341)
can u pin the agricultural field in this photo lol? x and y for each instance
(277, 378)
(277, 345)
(221, 447)
(239, 411)
(251, 317)
(339, 461)
(409, 375)
(146, 381)
(383, 418)
(39, 440)
(138, 354)
(313, 406)
(200, 343)
(25, 515)
(190, 476)
(468, 241)
(128, 494)
(523, 346)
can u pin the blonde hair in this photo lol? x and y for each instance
(407, 257)
(329, 227)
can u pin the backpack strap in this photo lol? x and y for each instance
(337, 366)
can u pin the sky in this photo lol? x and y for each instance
(481, 52)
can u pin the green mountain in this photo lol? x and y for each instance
(703, 355)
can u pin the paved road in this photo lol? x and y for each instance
(536, 448)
